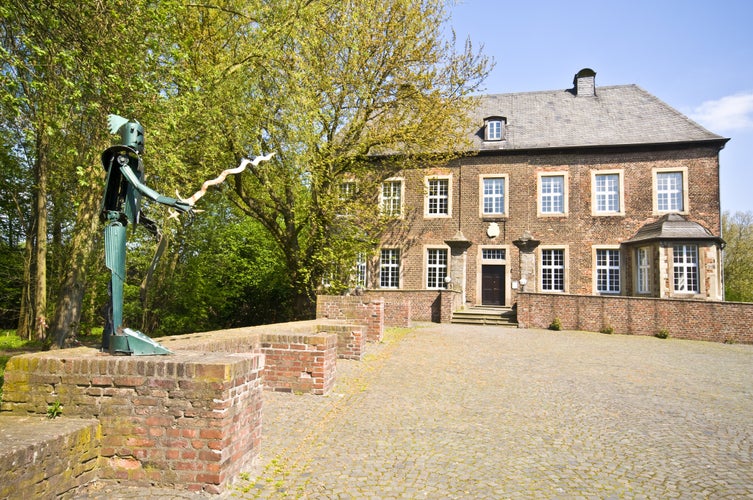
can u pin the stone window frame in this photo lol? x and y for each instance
(595, 250)
(565, 267)
(620, 173)
(427, 197)
(565, 193)
(428, 266)
(505, 195)
(655, 172)
(385, 267)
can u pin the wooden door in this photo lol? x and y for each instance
(493, 285)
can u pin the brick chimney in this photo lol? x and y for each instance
(585, 83)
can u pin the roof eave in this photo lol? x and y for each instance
(655, 146)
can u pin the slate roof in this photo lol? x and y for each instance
(615, 116)
(672, 227)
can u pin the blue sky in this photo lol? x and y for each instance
(697, 56)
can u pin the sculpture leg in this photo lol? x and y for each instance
(115, 249)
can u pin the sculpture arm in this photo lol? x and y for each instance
(151, 193)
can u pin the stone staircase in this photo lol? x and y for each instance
(486, 315)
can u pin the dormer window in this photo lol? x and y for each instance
(494, 129)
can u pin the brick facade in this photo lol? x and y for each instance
(728, 322)
(578, 232)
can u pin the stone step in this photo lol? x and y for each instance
(485, 315)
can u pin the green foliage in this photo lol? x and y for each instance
(11, 284)
(662, 334)
(54, 410)
(327, 86)
(556, 324)
(737, 231)
(607, 329)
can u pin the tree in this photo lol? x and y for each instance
(737, 230)
(333, 88)
(356, 82)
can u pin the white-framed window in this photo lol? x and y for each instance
(494, 129)
(685, 268)
(644, 267)
(670, 190)
(552, 193)
(493, 195)
(607, 270)
(607, 192)
(553, 269)
(438, 201)
(347, 190)
(361, 268)
(493, 254)
(436, 268)
(389, 268)
(392, 197)
(347, 195)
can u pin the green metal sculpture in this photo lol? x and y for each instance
(121, 205)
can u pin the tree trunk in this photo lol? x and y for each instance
(26, 312)
(70, 299)
(40, 254)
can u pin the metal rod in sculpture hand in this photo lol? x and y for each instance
(221, 178)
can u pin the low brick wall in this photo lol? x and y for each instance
(298, 357)
(190, 419)
(423, 305)
(684, 319)
(351, 339)
(63, 454)
(367, 310)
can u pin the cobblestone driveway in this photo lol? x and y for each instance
(451, 411)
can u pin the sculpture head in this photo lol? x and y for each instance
(131, 132)
(132, 135)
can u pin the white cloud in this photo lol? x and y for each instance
(733, 112)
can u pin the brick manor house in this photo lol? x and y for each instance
(590, 190)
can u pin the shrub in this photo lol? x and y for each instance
(662, 334)
(608, 329)
(556, 324)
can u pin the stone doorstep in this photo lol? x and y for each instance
(46, 458)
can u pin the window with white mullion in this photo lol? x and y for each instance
(643, 271)
(494, 195)
(436, 267)
(553, 194)
(553, 270)
(685, 267)
(439, 197)
(389, 268)
(669, 195)
(607, 271)
(392, 193)
(607, 192)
